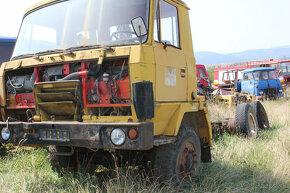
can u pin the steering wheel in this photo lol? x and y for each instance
(114, 34)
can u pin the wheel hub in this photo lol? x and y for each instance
(187, 161)
(264, 119)
(252, 126)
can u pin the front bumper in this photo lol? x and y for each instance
(78, 134)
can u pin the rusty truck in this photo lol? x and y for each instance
(90, 77)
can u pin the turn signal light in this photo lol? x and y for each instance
(133, 134)
(257, 86)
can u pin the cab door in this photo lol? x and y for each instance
(248, 85)
(171, 70)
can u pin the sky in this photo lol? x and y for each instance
(222, 26)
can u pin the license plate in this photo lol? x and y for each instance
(54, 135)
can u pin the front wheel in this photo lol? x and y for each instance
(176, 162)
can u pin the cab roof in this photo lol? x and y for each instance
(47, 2)
(258, 69)
(182, 2)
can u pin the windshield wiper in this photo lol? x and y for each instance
(26, 56)
(88, 47)
(50, 52)
(39, 54)
(56, 51)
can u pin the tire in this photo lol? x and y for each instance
(246, 121)
(261, 115)
(61, 164)
(175, 162)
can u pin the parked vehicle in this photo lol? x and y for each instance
(284, 73)
(256, 84)
(6, 48)
(203, 82)
(261, 82)
(227, 73)
(95, 77)
(202, 76)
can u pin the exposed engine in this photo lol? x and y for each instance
(19, 84)
(104, 88)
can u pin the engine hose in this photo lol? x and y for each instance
(86, 73)
(94, 72)
(72, 76)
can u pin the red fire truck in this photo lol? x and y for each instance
(202, 75)
(228, 73)
(203, 82)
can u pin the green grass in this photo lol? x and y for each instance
(239, 165)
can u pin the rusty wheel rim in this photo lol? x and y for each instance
(264, 119)
(252, 126)
(186, 160)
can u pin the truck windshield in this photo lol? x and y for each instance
(202, 73)
(265, 75)
(285, 68)
(76, 23)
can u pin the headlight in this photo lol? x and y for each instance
(280, 90)
(261, 93)
(5, 133)
(118, 136)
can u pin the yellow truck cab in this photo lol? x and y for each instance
(107, 76)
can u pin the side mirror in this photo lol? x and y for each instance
(139, 26)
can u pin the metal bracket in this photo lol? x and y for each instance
(62, 153)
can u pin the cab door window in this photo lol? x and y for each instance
(168, 24)
(156, 22)
(248, 76)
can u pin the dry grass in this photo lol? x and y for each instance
(243, 165)
(239, 165)
(221, 111)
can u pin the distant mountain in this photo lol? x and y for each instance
(208, 58)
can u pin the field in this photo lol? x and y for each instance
(239, 165)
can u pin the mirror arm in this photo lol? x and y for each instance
(140, 39)
(164, 45)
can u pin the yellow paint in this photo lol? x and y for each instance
(229, 99)
(170, 85)
(47, 86)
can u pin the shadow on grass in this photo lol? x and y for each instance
(219, 176)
